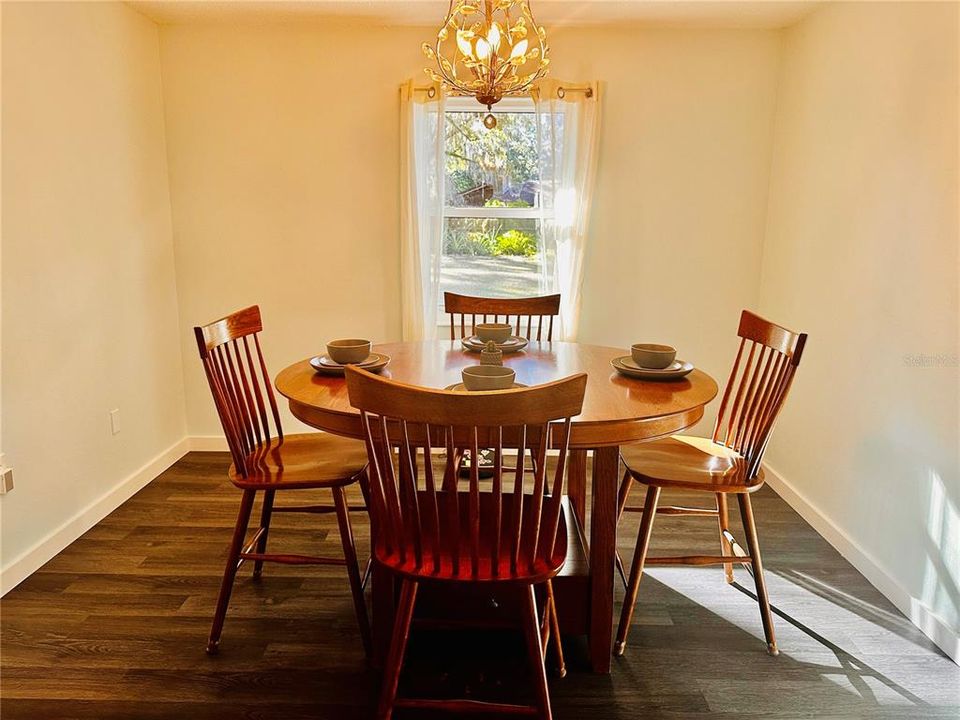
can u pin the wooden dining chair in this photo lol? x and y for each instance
(728, 463)
(268, 463)
(530, 316)
(498, 538)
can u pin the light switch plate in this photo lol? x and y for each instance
(6, 481)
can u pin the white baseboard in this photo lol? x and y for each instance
(21, 567)
(934, 627)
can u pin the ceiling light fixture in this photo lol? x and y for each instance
(489, 49)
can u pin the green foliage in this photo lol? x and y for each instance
(485, 238)
(460, 241)
(516, 242)
(462, 180)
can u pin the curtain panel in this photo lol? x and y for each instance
(568, 133)
(421, 207)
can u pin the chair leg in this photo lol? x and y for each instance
(531, 631)
(353, 568)
(636, 569)
(749, 526)
(624, 493)
(723, 520)
(555, 630)
(230, 572)
(398, 646)
(266, 513)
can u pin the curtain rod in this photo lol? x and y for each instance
(587, 90)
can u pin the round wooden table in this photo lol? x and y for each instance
(616, 411)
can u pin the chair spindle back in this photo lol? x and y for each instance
(418, 526)
(762, 374)
(239, 382)
(531, 317)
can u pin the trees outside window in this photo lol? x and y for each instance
(492, 215)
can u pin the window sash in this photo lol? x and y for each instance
(506, 213)
(507, 105)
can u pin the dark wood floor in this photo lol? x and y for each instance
(115, 627)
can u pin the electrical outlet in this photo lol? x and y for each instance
(6, 481)
(115, 421)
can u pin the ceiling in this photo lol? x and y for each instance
(714, 13)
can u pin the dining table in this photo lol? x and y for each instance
(617, 410)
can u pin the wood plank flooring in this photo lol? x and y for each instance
(115, 627)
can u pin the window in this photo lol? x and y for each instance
(492, 232)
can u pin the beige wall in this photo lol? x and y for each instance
(678, 221)
(861, 252)
(89, 297)
(284, 182)
(284, 177)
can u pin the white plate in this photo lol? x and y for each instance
(635, 371)
(375, 362)
(633, 365)
(475, 344)
(512, 340)
(459, 387)
(329, 362)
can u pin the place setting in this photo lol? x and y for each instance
(501, 334)
(349, 351)
(652, 361)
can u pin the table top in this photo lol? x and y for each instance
(616, 409)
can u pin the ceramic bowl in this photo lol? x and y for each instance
(498, 332)
(350, 350)
(653, 356)
(488, 377)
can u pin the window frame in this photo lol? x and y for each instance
(468, 104)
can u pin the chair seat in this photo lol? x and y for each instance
(309, 460)
(488, 570)
(694, 463)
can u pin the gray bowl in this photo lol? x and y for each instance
(488, 377)
(653, 356)
(347, 351)
(498, 332)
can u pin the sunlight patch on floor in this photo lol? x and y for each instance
(897, 650)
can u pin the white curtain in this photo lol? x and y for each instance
(421, 207)
(568, 129)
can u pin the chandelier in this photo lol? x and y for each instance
(489, 49)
